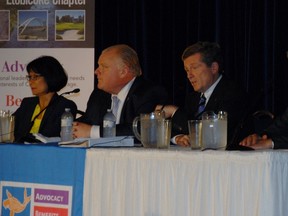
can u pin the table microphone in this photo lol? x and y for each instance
(71, 92)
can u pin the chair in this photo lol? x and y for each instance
(262, 119)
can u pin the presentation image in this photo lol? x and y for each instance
(32, 25)
(70, 25)
(4, 25)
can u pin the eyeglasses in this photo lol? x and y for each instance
(35, 77)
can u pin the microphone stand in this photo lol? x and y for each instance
(70, 92)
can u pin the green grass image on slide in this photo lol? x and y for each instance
(62, 28)
(69, 26)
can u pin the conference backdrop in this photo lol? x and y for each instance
(62, 29)
(252, 35)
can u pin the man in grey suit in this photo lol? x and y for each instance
(119, 74)
(203, 63)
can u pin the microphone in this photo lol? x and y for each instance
(71, 92)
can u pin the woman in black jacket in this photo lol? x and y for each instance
(42, 113)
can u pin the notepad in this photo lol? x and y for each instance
(45, 139)
(118, 141)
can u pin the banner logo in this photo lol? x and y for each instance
(14, 205)
(19, 199)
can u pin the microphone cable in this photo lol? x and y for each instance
(33, 120)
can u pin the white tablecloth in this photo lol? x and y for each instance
(145, 182)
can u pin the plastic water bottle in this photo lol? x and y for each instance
(109, 124)
(66, 126)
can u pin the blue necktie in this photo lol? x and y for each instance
(201, 106)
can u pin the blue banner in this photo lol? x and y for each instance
(41, 180)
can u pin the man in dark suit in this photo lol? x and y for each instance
(275, 136)
(203, 64)
(119, 74)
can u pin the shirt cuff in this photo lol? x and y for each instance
(272, 145)
(173, 139)
(174, 112)
(95, 132)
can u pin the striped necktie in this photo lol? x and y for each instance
(115, 104)
(201, 106)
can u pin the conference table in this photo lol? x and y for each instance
(154, 182)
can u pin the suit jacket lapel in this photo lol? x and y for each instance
(48, 110)
(216, 94)
(32, 105)
(133, 88)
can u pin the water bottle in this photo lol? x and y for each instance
(109, 124)
(66, 126)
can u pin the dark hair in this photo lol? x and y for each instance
(52, 71)
(210, 52)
